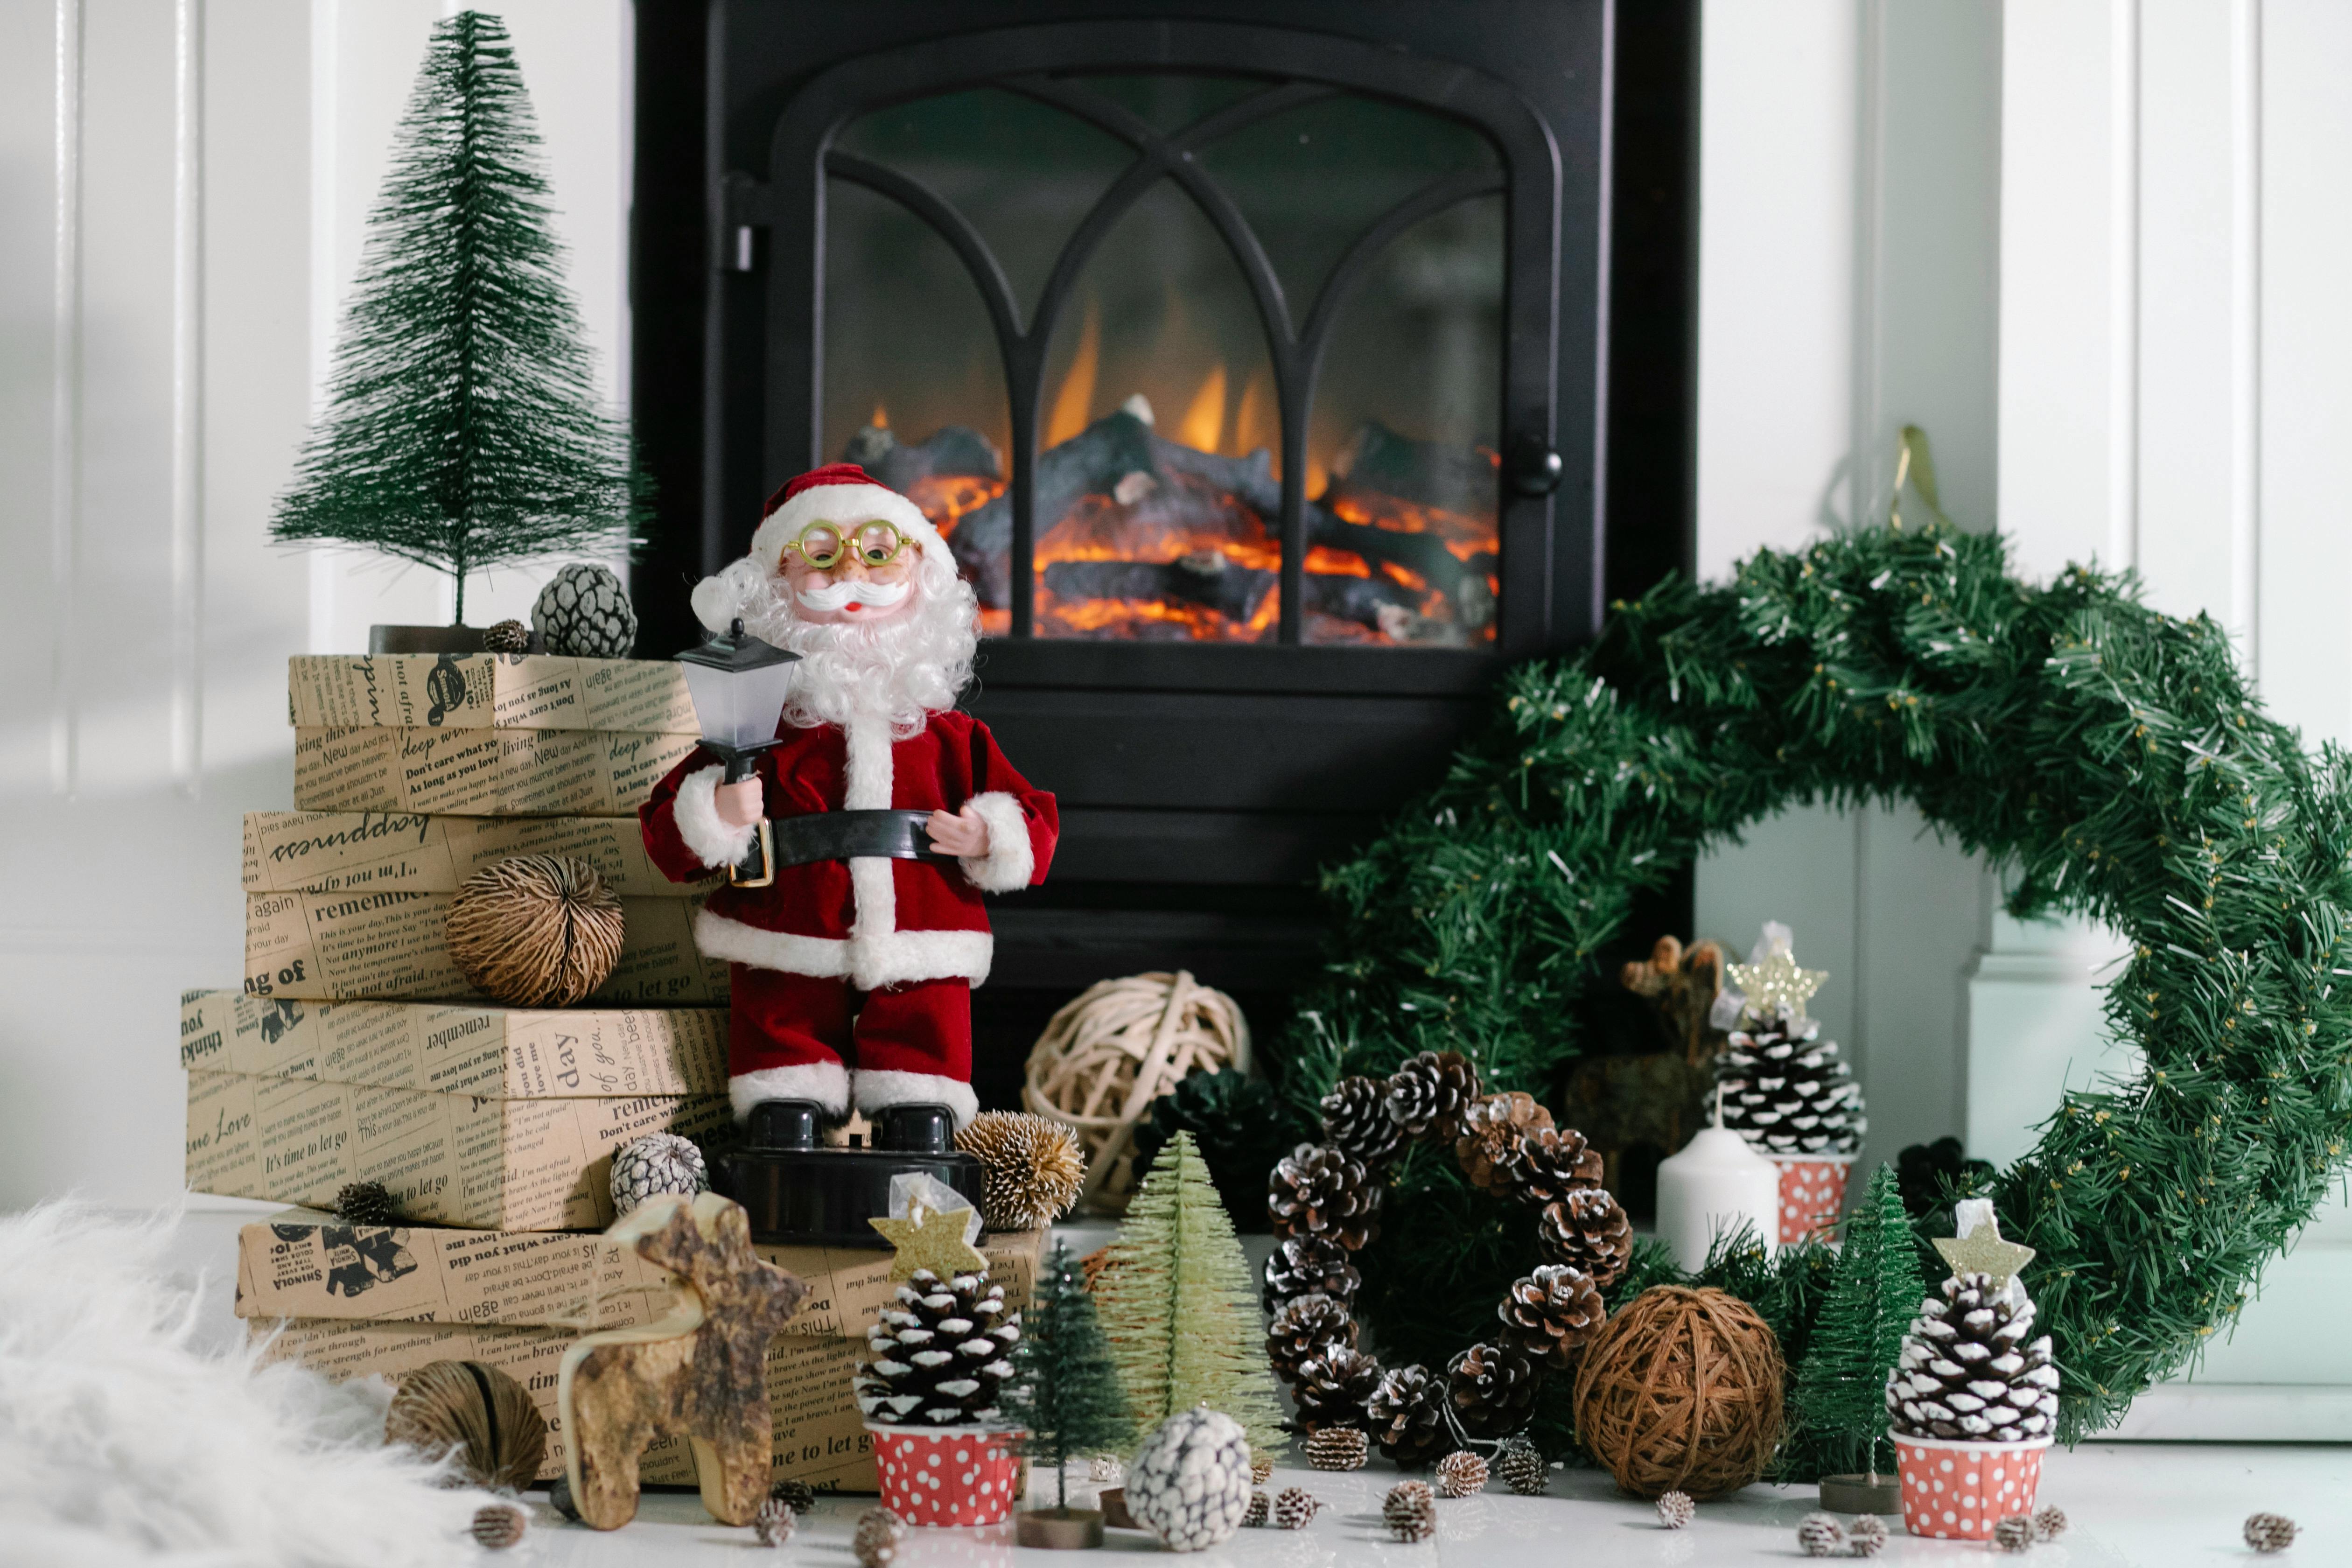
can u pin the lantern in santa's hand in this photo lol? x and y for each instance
(739, 685)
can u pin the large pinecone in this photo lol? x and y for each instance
(1334, 1388)
(1318, 1191)
(1789, 1091)
(1357, 1122)
(1588, 1230)
(1493, 1388)
(1551, 1313)
(1406, 1416)
(937, 1357)
(1305, 1265)
(1553, 1162)
(1305, 1328)
(1967, 1369)
(1492, 1128)
(1429, 1093)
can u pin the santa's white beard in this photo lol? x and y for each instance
(903, 669)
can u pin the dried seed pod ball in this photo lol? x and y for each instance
(2050, 1523)
(1115, 1048)
(477, 1415)
(366, 1203)
(1190, 1483)
(1867, 1535)
(1460, 1474)
(1318, 1191)
(1410, 1510)
(1031, 1168)
(2271, 1532)
(1681, 1392)
(507, 636)
(535, 931)
(1254, 1516)
(2014, 1533)
(1520, 1467)
(880, 1532)
(1676, 1509)
(1821, 1535)
(1335, 1389)
(1307, 1266)
(499, 1525)
(1337, 1448)
(1295, 1508)
(656, 1164)
(1357, 1122)
(774, 1522)
(584, 612)
(798, 1496)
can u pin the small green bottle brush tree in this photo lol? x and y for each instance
(1065, 1391)
(462, 429)
(1840, 1400)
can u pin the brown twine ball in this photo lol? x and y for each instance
(1106, 1054)
(1681, 1392)
(535, 931)
(475, 1412)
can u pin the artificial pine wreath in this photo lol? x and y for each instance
(2109, 759)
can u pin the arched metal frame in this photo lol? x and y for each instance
(1300, 69)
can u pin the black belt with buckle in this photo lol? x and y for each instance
(853, 835)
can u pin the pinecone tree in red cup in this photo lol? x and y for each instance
(1972, 1404)
(1787, 1090)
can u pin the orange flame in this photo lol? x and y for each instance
(1203, 425)
(1074, 398)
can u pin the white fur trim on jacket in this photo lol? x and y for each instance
(868, 961)
(839, 504)
(827, 1083)
(877, 1090)
(696, 811)
(1010, 859)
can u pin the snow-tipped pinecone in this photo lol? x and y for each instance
(1492, 1389)
(1493, 1126)
(1261, 1467)
(2012, 1534)
(2050, 1523)
(1460, 1474)
(774, 1522)
(656, 1164)
(1551, 1313)
(1357, 1122)
(1519, 1466)
(2271, 1532)
(1553, 1162)
(1307, 1265)
(366, 1203)
(500, 1525)
(1676, 1509)
(1318, 1191)
(1969, 1370)
(507, 636)
(1429, 1093)
(1406, 1416)
(1295, 1509)
(1588, 1230)
(798, 1496)
(1337, 1449)
(1821, 1535)
(1254, 1516)
(1305, 1328)
(1334, 1388)
(1789, 1091)
(584, 612)
(937, 1357)
(1410, 1510)
(1866, 1536)
(880, 1532)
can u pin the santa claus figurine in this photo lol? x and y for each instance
(852, 972)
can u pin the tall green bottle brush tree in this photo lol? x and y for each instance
(462, 429)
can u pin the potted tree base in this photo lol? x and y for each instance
(1064, 1390)
(387, 639)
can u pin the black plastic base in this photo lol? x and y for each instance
(799, 1193)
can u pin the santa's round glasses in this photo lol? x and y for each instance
(825, 545)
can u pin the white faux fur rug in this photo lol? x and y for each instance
(121, 1445)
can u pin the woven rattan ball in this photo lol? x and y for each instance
(1119, 1046)
(1681, 1392)
(535, 931)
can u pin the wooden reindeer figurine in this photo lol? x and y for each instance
(700, 1371)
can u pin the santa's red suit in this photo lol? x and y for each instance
(868, 963)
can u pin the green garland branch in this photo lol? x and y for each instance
(2108, 758)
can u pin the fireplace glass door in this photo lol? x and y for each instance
(1179, 357)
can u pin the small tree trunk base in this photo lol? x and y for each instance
(1862, 1494)
(385, 638)
(1113, 1501)
(1058, 1529)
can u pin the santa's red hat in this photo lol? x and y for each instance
(838, 492)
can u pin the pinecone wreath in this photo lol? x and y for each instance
(1357, 1122)
(1406, 1416)
(1318, 1191)
(1492, 1389)
(1588, 1231)
(1551, 1313)
(1335, 1388)
(1789, 1091)
(1492, 1128)
(1553, 1162)
(656, 1164)
(584, 612)
(1337, 1449)
(1304, 1328)
(1968, 1370)
(1428, 1095)
(939, 1355)
(1307, 1266)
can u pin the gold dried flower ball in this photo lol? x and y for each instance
(535, 931)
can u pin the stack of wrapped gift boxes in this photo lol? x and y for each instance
(356, 1051)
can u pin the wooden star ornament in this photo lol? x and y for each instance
(931, 1238)
(1775, 985)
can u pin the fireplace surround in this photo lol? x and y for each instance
(1276, 372)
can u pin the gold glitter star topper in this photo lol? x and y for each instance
(1773, 982)
(931, 1236)
(1978, 1249)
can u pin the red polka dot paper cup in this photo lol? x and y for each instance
(1955, 1491)
(1812, 1194)
(948, 1475)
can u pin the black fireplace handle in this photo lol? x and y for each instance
(1532, 465)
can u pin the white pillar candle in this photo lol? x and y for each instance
(1713, 1187)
